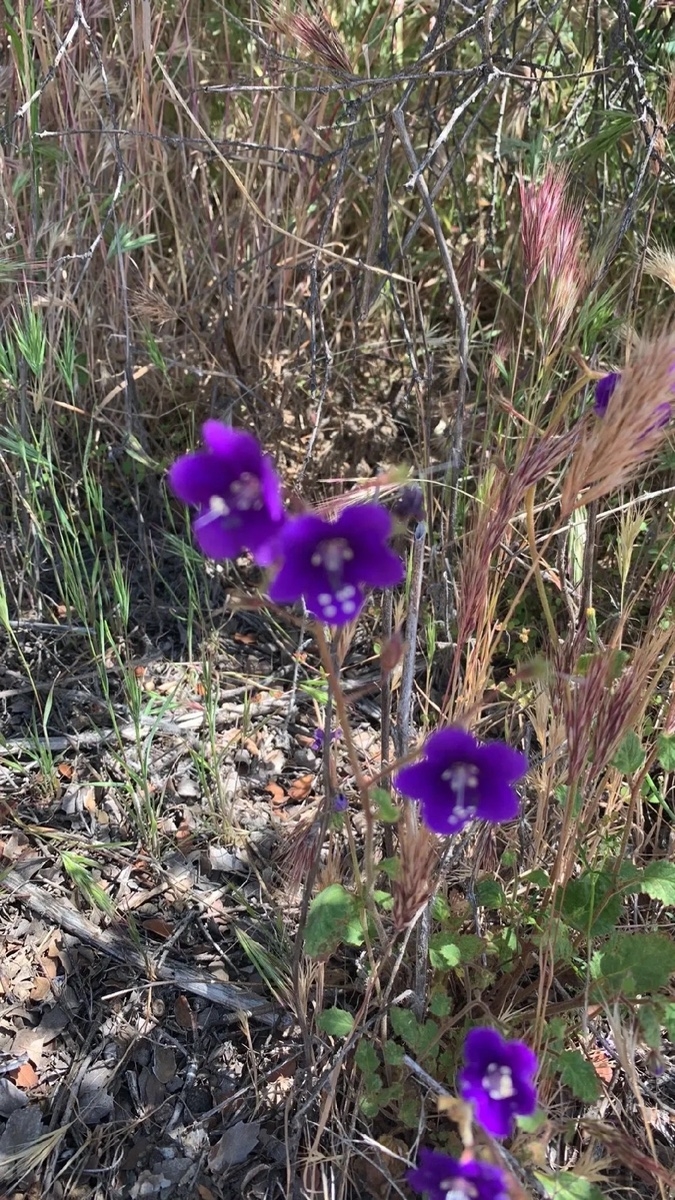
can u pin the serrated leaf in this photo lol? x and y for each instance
(589, 904)
(665, 751)
(630, 755)
(439, 1004)
(579, 1075)
(632, 964)
(403, 1024)
(330, 918)
(386, 810)
(489, 894)
(444, 953)
(367, 1058)
(668, 1018)
(336, 1022)
(393, 1054)
(658, 881)
(566, 1186)
(470, 947)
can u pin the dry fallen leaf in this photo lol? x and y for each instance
(158, 926)
(40, 990)
(25, 1076)
(183, 1013)
(234, 1146)
(301, 787)
(277, 793)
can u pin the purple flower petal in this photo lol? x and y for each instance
(237, 492)
(442, 1177)
(460, 780)
(498, 1079)
(604, 390)
(328, 564)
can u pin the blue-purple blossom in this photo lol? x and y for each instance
(442, 1177)
(459, 780)
(409, 504)
(604, 390)
(498, 1079)
(340, 802)
(319, 739)
(331, 563)
(236, 492)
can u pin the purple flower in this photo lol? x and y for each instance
(340, 802)
(604, 390)
(329, 563)
(320, 737)
(498, 1080)
(236, 492)
(444, 1178)
(409, 504)
(458, 780)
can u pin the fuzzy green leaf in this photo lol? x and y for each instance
(589, 905)
(336, 1022)
(578, 1074)
(566, 1186)
(632, 964)
(330, 920)
(386, 810)
(658, 881)
(665, 751)
(444, 952)
(630, 755)
(489, 894)
(367, 1058)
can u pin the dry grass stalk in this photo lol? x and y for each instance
(481, 577)
(415, 884)
(316, 34)
(633, 428)
(659, 262)
(552, 240)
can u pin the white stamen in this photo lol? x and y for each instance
(498, 1082)
(219, 507)
(324, 598)
(346, 593)
(329, 610)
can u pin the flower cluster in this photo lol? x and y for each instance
(237, 495)
(497, 1079)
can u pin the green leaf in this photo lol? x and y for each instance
(439, 1004)
(566, 1186)
(668, 1018)
(393, 1054)
(386, 809)
(444, 952)
(590, 905)
(658, 881)
(367, 1058)
(650, 1020)
(470, 947)
(630, 755)
(404, 1024)
(391, 867)
(490, 894)
(633, 963)
(336, 1022)
(330, 920)
(578, 1074)
(665, 751)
